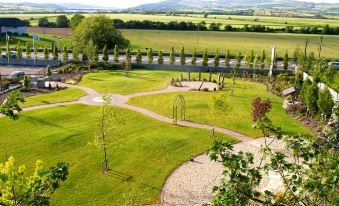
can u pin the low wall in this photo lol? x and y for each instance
(335, 95)
(30, 62)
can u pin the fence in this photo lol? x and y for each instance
(335, 95)
(30, 62)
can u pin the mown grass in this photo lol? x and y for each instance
(137, 81)
(67, 95)
(142, 153)
(238, 115)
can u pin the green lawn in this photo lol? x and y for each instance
(142, 154)
(70, 94)
(136, 81)
(237, 118)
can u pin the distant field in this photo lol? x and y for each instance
(223, 19)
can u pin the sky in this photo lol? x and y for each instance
(118, 3)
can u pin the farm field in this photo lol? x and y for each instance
(136, 176)
(70, 94)
(235, 41)
(234, 20)
(236, 118)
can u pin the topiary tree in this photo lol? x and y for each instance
(64, 54)
(160, 58)
(312, 98)
(19, 51)
(247, 60)
(216, 59)
(304, 90)
(10, 107)
(227, 58)
(105, 54)
(55, 53)
(263, 59)
(46, 53)
(28, 51)
(138, 57)
(298, 80)
(90, 51)
(96, 54)
(325, 102)
(116, 54)
(182, 57)
(25, 84)
(238, 61)
(251, 59)
(128, 53)
(205, 58)
(172, 56)
(150, 56)
(194, 57)
(49, 72)
(285, 61)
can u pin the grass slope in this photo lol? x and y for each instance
(136, 81)
(70, 94)
(141, 154)
(237, 118)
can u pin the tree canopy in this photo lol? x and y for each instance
(100, 30)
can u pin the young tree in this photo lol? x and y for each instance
(218, 104)
(312, 98)
(10, 107)
(251, 59)
(263, 59)
(16, 188)
(84, 56)
(64, 54)
(105, 54)
(247, 60)
(205, 58)
(25, 85)
(150, 56)
(128, 53)
(107, 122)
(325, 102)
(90, 51)
(238, 61)
(285, 61)
(182, 57)
(19, 51)
(194, 57)
(138, 57)
(298, 80)
(75, 56)
(275, 62)
(49, 72)
(96, 54)
(304, 90)
(8, 51)
(55, 53)
(116, 54)
(46, 53)
(227, 58)
(28, 51)
(160, 58)
(216, 59)
(172, 56)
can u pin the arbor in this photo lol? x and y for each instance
(238, 60)
(160, 58)
(205, 58)
(75, 20)
(172, 56)
(285, 61)
(325, 102)
(100, 30)
(150, 55)
(309, 171)
(105, 54)
(138, 57)
(62, 21)
(64, 54)
(216, 59)
(16, 188)
(182, 57)
(28, 51)
(227, 58)
(46, 53)
(10, 107)
(194, 57)
(116, 54)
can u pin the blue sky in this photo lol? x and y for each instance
(118, 3)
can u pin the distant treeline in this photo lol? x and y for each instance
(202, 26)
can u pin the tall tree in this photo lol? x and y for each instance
(150, 56)
(160, 58)
(194, 57)
(105, 54)
(216, 59)
(205, 58)
(325, 102)
(182, 57)
(46, 53)
(227, 58)
(285, 61)
(172, 56)
(116, 54)
(138, 57)
(62, 21)
(76, 19)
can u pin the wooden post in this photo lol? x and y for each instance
(210, 79)
(199, 75)
(189, 75)
(182, 77)
(223, 79)
(218, 77)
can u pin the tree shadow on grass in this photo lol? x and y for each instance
(120, 175)
(41, 121)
